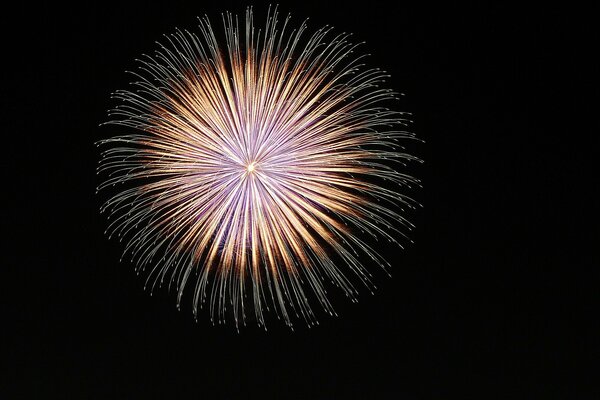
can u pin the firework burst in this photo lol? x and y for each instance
(253, 166)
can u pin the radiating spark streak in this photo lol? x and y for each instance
(254, 165)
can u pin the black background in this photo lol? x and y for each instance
(497, 298)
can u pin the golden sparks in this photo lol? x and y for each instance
(258, 169)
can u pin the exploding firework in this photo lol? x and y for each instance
(257, 170)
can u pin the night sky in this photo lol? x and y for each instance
(496, 298)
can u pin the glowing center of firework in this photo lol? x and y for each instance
(251, 167)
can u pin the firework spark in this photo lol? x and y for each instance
(253, 166)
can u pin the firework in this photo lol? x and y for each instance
(256, 170)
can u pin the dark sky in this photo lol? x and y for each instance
(497, 297)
